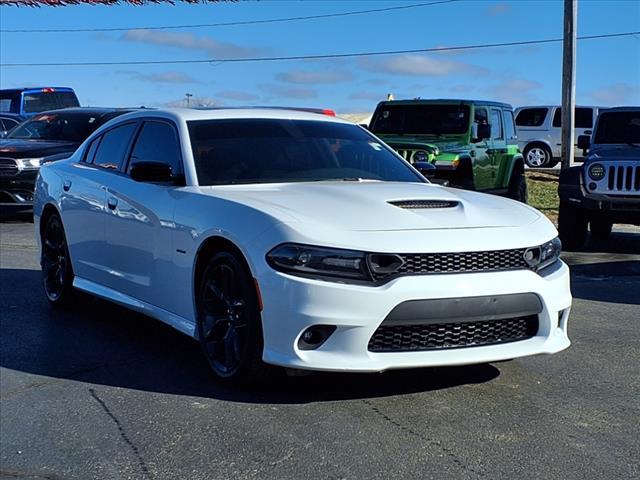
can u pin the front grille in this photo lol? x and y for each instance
(404, 153)
(438, 336)
(623, 179)
(495, 260)
(8, 167)
(415, 204)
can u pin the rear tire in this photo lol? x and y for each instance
(600, 229)
(538, 155)
(572, 225)
(57, 272)
(229, 324)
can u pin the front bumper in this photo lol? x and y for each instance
(16, 191)
(292, 304)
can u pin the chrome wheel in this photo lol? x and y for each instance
(537, 157)
(223, 322)
(56, 267)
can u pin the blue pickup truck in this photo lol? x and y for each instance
(30, 101)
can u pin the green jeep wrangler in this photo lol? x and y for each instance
(471, 143)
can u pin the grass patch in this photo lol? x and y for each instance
(543, 193)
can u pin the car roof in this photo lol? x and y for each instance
(97, 111)
(445, 100)
(192, 114)
(627, 108)
(35, 89)
(557, 106)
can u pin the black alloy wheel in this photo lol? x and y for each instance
(57, 274)
(229, 318)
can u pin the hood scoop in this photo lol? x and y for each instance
(418, 204)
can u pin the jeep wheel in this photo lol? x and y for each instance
(518, 187)
(572, 225)
(600, 229)
(538, 155)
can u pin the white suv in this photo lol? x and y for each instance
(539, 132)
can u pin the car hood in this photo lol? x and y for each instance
(367, 205)
(613, 152)
(34, 148)
(441, 143)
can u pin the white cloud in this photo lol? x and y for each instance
(161, 77)
(309, 77)
(516, 91)
(364, 95)
(498, 8)
(188, 41)
(616, 94)
(420, 65)
(238, 95)
(281, 91)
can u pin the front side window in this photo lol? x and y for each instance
(421, 119)
(157, 142)
(112, 148)
(618, 127)
(273, 151)
(531, 117)
(68, 127)
(496, 124)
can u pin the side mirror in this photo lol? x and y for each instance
(584, 142)
(155, 172)
(483, 132)
(425, 168)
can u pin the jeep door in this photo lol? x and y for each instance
(497, 146)
(585, 118)
(481, 163)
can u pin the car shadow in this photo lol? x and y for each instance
(101, 343)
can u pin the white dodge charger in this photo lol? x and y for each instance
(299, 240)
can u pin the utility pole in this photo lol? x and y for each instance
(569, 81)
(188, 95)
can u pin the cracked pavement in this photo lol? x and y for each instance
(102, 393)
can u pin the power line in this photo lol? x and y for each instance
(230, 24)
(318, 57)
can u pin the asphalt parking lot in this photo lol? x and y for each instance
(102, 393)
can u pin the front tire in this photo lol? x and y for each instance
(229, 326)
(600, 229)
(572, 225)
(518, 187)
(57, 272)
(538, 156)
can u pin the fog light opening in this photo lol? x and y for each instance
(313, 337)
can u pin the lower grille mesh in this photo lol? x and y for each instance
(403, 338)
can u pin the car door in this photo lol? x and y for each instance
(583, 125)
(481, 162)
(83, 201)
(497, 146)
(139, 218)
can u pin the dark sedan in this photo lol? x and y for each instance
(54, 134)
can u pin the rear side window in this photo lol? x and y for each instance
(91, 151)
(584, 118)
(9, 102)
(39, 102)
(112, 148)
(509, 127)
(531, 117)
(157, 142)
(67, 99)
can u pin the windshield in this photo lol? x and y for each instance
(421, 119)
(272, 151)
(70, 127)
(618, 127)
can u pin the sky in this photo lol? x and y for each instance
(608, 70)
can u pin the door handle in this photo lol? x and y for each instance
(112, 203)
(66, 185)
(588, 132)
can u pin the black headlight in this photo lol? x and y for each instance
(310, 261)
(546, 254)
(596, 172)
